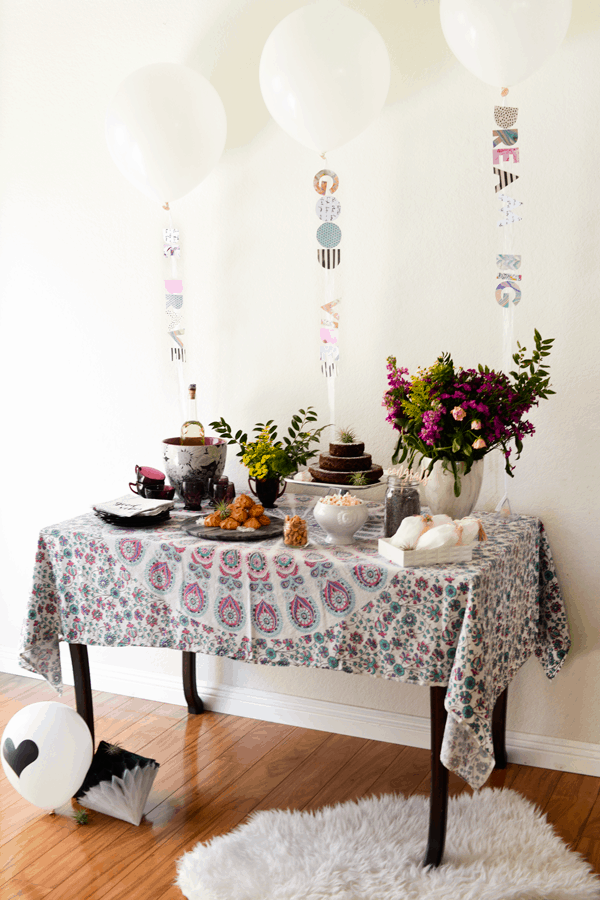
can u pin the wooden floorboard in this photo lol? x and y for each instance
(215, 771)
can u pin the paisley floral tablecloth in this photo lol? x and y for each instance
(470, 625)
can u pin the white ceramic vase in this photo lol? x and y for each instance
(202, 464)
(438, 493)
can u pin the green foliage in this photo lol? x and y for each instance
(81, 816)
(358, 478)
(267, 456)
(534, 376)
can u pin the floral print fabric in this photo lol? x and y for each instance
(469, 625)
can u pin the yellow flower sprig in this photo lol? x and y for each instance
(260, 455)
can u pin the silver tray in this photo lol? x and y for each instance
(315, 487)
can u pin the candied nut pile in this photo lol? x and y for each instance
(341, 500)
(295, 532)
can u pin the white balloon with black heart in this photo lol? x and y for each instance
(47, 750)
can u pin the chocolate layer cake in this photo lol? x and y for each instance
(343, 462)
(346, 450)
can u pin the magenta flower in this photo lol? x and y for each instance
(458, 413)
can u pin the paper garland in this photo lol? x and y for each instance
(505, 116)
(507, 261)
(504, 178)
(174, 295)
(328, 235)
(321, 186)
(171, 242)
(328, 208)
(505, 137)
(505, 151)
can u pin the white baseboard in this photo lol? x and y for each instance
(322, 715)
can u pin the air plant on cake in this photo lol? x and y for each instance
(459, 415)
(346, 436)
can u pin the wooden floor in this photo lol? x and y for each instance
(214, 771)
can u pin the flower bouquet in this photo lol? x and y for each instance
(459, 415)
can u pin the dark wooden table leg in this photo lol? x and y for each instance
(83, 684)
(438, 800)
(499, 730)
(194, 703)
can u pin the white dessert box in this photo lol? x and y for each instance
(406, 558)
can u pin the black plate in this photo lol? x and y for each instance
(133, 521)
(223, 534)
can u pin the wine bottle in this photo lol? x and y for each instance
(192, 431)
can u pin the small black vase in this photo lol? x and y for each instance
(267, 490)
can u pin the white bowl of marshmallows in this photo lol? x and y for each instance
(340, 516)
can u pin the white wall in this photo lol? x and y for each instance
(87, 391)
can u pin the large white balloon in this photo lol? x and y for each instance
(166, 130)
(502, 42)
(47, 750)
(324, 74)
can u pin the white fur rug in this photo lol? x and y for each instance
(498, 847)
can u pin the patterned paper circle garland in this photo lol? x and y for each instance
(321, 186)
(329, 234)
(504, 299)
(328, 208)
(504, 150)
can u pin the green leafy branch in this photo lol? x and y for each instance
(294, 448)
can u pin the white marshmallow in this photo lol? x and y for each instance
(470, 530)
(441, 520)
(410, 530)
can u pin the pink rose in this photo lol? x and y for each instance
(458, 413)
(476, 424)
(479, 444)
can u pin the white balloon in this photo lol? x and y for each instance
(47, 750)
(166, 130)
(502, 42)
(324, 74)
